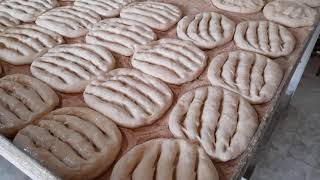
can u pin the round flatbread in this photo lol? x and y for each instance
(290, 13)
(69, 21)
(23, 43)
(27, 10)
(171, 60)
(239, 6)
(120, 35)
(253, 76)
(129, 97)
(7, 21)
(206, 30)
(23, 99)
(69, 68)
(264, 37)
(157, 15)
(105, 8)
(73, 142)
(165, 159)
(220, 120)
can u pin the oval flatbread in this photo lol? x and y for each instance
(253, 76)
(157, 15)
(171, 60)
(105, 8)
(69, 68)
(120, 35)
(27, 10)
(290, 13)
(23, 43)
(264, 37)
(23, 99)
(220, 120)
(69, 21)
(7, 21)
(165, 159)
(206, 30)
(129, 97)
(73, 142)
(239, 6)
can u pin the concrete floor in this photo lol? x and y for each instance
(293, 152)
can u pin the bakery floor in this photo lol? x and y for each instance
(294, 148)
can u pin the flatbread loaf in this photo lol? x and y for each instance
(105, 8)
(264, 37)
(290, 13)
(253, 76)
(239, 6)
(171, 60)
(120, 35)
(27, 10)
(157, 15)
(23, 99)
(69, 21)
(7, 21)
(72, 142)
(129, 97)
(206, 30)
(220, 120)
(165, 159)
(69, 68)
(23, 43)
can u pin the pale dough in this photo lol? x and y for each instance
(120, 35)
(239, 6)
(264, 37)
(290, 13)
(311, 3)
(22, 44)
(157, 15)
(69, 68)
(105, 8)
(6, 21)
(27, 10)
(253, 76)
(171, 60)
(69, 21)
(129, 97)
(165, 159)
(23, 99)
(206, 30)
(73, 142)
(220, 120)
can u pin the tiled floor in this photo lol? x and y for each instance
(294, 149)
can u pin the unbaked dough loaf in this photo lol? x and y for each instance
(69, 21)
(6, 21)
(220, 120)
(157, 15)
(165, 159)
(105, 8)
(26, 10)
(69, 68)
(251, 75)
(290, 13)
(72, 142)
(206, 30)
(264, 37)
(171, 60)
(23, 43)
(239, 6)
(129, 97)
(120, 35)
(23, 99)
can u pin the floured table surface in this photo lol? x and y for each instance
(131, 137)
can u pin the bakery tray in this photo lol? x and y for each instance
(293, 66)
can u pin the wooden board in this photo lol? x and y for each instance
(132, 137)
